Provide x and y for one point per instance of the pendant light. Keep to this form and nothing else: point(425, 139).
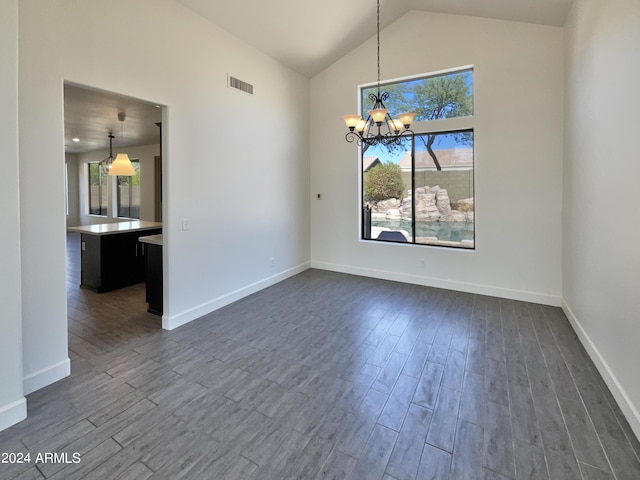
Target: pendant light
point(122, 166)
point(371, 131)
point(108, 162)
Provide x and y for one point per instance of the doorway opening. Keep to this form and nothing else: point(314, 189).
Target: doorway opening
point(102, 319)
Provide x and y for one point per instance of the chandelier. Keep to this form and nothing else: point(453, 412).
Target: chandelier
point(378, 127)
point(119, 165)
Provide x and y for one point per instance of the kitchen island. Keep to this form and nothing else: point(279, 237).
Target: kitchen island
point(111, 255)
point(153, 271)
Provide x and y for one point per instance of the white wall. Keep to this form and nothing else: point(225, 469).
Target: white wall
point(146, 155)
point(73, 186)
point(13, 407)
point(236, 166)
point(518, 156)
point(601, 262)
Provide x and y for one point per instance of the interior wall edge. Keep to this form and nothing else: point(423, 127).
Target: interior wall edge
point(12, 401)
point(629, 410)
point(182, 318)
point(489, 290)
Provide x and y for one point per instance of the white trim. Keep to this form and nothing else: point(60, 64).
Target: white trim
point(443, 125)
point(46, 376)
point(624, 402)
point(417, 76)
point(13, 413)
point(492, 291)
point(169, 323)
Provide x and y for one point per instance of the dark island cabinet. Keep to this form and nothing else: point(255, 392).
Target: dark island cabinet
point(113, 258)
point(153, 262)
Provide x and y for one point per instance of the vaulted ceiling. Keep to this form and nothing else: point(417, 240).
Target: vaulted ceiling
point(308, 36)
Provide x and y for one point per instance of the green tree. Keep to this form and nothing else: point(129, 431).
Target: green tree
point(433, 98)
point(383, 181)
point(133, 180)
point(443, 96)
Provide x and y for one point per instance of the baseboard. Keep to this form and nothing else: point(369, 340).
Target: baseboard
point(624, 402)
point(13, 413)
point(491, 291)
point(174, 321)
point(46, 376)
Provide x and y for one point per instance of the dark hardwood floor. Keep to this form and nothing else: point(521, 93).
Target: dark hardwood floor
point(325, 375)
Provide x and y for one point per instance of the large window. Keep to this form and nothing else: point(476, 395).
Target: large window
point(422, 191)
point(129, 193)
point(98, 192)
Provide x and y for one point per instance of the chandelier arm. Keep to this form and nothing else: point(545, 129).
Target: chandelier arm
point(352, 136)
point(366, 133)
point(405, 133)
point(388, 118)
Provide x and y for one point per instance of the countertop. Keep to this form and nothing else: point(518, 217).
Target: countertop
point(120, 227)
point(153, 239)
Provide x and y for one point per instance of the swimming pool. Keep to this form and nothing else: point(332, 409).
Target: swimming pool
point(443, 231)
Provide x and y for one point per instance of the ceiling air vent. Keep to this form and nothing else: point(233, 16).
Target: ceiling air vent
point(240, 85)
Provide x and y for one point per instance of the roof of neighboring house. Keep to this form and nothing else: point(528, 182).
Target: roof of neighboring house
point(448, 158)
point(369, 162)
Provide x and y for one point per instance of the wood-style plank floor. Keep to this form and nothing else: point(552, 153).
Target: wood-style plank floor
point(325, 376)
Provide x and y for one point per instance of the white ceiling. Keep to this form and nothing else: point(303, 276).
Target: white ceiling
point(90, 115)
point(308, 36)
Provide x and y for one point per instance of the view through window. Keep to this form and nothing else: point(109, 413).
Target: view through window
point(129, 193)
point(98, 192)
point(422, 191)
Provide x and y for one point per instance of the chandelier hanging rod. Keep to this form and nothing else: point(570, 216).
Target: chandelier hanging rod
point(360, 129)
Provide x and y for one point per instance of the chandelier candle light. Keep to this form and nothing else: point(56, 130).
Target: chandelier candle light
point(360, 129)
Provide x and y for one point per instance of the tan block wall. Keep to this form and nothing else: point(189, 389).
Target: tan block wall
point(458, 183)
